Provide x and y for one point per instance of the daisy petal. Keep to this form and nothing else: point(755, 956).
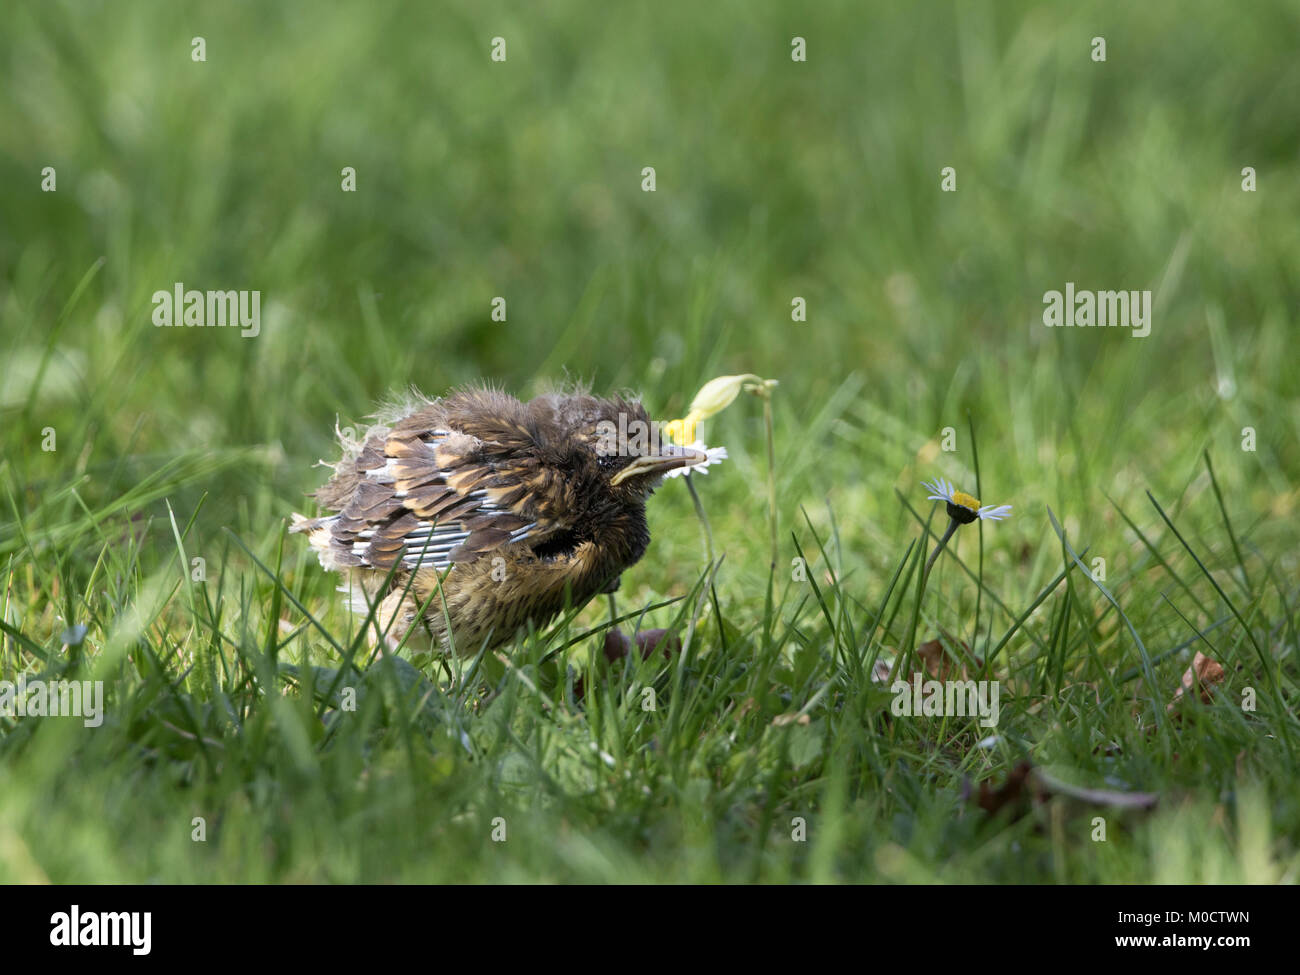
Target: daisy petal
point(715, 455)
point(941, 490)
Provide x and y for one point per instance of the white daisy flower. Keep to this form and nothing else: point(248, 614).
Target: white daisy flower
point(715, 455)
point(962, 507)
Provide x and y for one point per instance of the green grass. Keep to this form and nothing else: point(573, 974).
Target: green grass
point(774, 179)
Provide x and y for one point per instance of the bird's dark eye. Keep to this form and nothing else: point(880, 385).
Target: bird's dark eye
point(609, 462)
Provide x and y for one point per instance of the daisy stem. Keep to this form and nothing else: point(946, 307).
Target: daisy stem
point(699, 513)
point(771, 476)
point(952, 527)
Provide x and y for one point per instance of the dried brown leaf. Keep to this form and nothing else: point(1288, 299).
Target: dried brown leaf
point(781, 720)
point(1024, 784)
point(1205, 674)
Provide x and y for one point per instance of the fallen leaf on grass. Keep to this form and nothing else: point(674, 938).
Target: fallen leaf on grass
point(1204, 674)
point(1096, 797)
point(1012, 791)
point(781, 720)
point(618, 645)
point(938, 664)
point(1025, 785)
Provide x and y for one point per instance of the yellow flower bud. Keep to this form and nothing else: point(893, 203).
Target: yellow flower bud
point(717, 394)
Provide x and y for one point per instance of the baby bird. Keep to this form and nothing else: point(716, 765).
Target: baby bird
point(517, 509)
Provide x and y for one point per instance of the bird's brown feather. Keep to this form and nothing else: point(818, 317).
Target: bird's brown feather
point(462, 480)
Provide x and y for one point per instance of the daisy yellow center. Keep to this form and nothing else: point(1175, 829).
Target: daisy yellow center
point(965, 500)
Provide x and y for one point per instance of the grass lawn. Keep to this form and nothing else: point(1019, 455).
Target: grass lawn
point(147, 474)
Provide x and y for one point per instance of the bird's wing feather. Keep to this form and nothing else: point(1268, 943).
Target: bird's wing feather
point(445, 484)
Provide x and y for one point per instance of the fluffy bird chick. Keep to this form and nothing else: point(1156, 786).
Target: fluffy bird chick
point(521, 509)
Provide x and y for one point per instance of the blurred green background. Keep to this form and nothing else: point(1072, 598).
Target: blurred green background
point(775, 179)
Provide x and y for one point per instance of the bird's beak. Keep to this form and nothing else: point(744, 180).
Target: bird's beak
point(669, 458)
